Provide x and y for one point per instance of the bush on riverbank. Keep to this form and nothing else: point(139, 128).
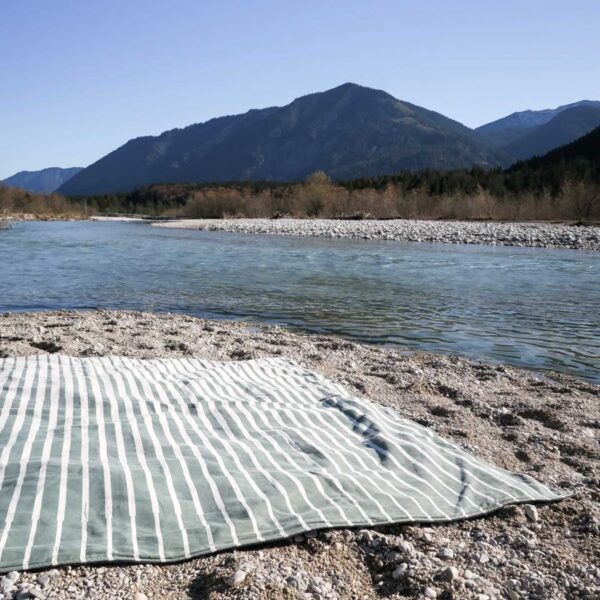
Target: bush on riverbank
point(17, 201)
point(320, 197)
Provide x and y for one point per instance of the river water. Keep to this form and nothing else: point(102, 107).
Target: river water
point(536, 308)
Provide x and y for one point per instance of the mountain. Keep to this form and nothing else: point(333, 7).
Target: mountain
point(578, 160)
point(348, 132)
point(41, 182)
point(510, 128)
point(562, 129)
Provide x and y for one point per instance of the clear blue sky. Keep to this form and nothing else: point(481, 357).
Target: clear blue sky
point(80, 77)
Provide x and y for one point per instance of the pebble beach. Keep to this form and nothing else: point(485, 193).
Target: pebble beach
point(545, 425)
point(536, 235)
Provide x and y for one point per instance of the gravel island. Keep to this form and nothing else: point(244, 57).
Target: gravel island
point(546, 425)
point(537, 235)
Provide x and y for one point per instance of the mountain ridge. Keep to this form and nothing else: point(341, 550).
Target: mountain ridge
point(347, 131)
point(565, 127)
point(41, 181)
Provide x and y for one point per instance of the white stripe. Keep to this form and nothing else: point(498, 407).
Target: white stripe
point(116, 421)
point(103, 451)
point(17, 423)
point(55, 381)
point(24, 461)
point(337, 483)
point(432, 448)
point(85, 477)
point(127, 370)
point(201, 387)
point(263, 434)
point(13, 372)
point(142, 459)
point(223, 422)
point(158, 384)
point(433, 438)
point(66, 450)
point(122, 397)
point(318, 398)
point(257, 443)
point(321, 441)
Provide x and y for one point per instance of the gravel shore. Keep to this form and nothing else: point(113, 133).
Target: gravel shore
point(538, 235)
point(544, 425)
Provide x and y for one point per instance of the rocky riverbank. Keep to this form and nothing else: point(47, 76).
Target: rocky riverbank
point(538, 235)
point(546, 426)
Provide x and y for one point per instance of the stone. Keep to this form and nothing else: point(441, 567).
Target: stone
point(7, 586)
point(238, 578)
point(43, 580)
point(430, 593)
point(399, 571)
point(406, 548)
point(445, 553)
point(36, 593)
point(531, 513)
point(13, 576)
point(449, 574)
point(140, 596)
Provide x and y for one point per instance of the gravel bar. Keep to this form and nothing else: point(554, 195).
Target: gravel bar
point(547, 426)
point(536, 235)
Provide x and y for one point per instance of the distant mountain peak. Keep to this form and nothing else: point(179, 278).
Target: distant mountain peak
point(43, 181)
point(531, 118)
point(533, 132)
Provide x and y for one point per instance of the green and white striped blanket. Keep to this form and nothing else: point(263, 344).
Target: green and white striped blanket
point(117, 459)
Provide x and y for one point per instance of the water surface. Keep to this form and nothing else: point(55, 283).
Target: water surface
point(531, 307)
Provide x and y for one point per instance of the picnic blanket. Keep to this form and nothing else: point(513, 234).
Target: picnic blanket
point(118, 459)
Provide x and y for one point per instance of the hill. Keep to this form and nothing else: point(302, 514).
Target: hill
point(578, 161)
point(348, 132)
point(41, 182)
point(508, 129)
point(562, 129)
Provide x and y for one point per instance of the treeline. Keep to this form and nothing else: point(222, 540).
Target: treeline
point(18, 201)
point(562, 185)
point(469, 195)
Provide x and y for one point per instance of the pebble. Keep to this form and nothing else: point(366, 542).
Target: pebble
point(399, 571)
point(531, 512)
point(238, 578)
point(446, 553)
point(430, 593)
point(140, 596)
point(406, 548)
point(43, 580)
point(449, 574)
point(13, 576)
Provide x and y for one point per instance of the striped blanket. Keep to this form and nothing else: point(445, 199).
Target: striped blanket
point(117, 459)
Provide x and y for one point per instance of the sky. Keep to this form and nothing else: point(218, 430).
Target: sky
point(78, 78)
